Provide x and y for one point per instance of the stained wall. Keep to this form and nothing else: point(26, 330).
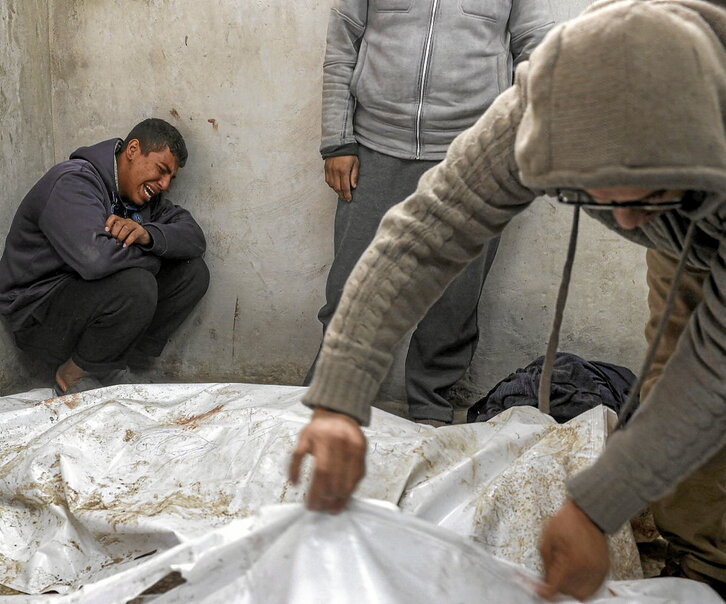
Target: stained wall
point(242, 82)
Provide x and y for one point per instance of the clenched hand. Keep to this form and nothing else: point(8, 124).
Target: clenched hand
point(341, 174)
point(338, 446)
point(127, 231)
point(575, 554)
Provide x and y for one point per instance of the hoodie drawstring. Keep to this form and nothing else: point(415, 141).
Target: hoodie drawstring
point(543, 395)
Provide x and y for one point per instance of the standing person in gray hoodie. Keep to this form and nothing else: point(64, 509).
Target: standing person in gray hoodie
point(402, 78)
point(621, 111)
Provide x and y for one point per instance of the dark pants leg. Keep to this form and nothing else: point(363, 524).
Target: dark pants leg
point(181, 285)
point(383, 181)
point(444, 342)
point(94, 323)
point(97, 323)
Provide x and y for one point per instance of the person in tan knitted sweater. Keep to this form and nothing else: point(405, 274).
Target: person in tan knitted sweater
point(621, 109)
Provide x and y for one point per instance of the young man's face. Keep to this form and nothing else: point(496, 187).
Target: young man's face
point(141, 176)
point(630, 218)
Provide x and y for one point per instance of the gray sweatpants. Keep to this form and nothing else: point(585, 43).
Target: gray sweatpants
point(444, 341)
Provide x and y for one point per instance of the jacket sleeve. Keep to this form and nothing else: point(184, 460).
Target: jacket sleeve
point(678, 427)
point(345, 30)
point(175, 233)
point(74, 219)
point(529, 21)
point(421, 245)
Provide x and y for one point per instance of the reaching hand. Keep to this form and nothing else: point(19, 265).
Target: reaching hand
point(341, 174)
point(338, 446)
point(575, 554)
point(127, 231)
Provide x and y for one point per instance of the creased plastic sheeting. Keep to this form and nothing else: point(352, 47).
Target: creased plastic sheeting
point(369, 553)
point(498, 485)
point(90, 482)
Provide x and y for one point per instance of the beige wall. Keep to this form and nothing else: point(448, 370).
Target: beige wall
point(241, 80)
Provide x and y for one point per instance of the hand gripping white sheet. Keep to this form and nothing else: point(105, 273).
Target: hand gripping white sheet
point(90, 482)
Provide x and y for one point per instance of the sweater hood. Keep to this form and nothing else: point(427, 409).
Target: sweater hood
point(102, 156)
point(631, 93)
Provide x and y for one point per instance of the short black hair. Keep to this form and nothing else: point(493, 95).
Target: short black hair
point(155, 135)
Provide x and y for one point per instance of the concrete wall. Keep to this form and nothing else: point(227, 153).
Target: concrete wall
point(26, 133)
point(242, 82)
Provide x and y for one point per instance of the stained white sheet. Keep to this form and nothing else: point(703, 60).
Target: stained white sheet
point(196, 473)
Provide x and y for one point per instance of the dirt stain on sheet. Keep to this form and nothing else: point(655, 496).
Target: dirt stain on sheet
point(11, 569)
point(285, 487)
point(163, 585)
point(71, 401)
point(178, 504)
point(195, 419)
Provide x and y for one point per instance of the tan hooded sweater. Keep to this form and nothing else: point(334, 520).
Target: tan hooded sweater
point(631, 93)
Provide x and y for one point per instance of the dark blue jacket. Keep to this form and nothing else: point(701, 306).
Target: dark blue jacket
point(59, 231)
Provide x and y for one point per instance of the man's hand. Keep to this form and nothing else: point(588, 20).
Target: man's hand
point(339, 447)
point(575, 554)
point(341, 174)
point(127, 231)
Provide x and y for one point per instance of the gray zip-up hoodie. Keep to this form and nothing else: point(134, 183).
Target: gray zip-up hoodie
point(405, 77)
point(632, 93)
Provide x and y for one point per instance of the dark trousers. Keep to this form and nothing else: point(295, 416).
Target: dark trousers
point(99, 323)
point(444, 342)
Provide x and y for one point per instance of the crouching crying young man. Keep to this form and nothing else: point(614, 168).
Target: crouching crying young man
point(100, 267)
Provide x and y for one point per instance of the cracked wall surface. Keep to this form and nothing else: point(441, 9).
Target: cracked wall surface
point(242, 83)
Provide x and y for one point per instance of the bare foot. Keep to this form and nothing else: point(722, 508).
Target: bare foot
point(68, 374)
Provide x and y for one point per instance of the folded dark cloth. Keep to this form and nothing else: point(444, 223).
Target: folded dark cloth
point(577, 385)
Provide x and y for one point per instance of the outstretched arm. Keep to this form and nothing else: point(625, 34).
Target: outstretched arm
point(420, 247)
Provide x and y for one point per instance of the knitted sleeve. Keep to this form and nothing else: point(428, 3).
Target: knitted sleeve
point(678, 428)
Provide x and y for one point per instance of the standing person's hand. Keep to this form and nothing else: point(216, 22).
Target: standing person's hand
point(341, 174)
point(127, 231)
point(338, 446)
point(575, 554)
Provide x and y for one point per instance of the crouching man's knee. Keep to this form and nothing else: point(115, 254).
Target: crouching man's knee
point(134, 297)
point(197, 277)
